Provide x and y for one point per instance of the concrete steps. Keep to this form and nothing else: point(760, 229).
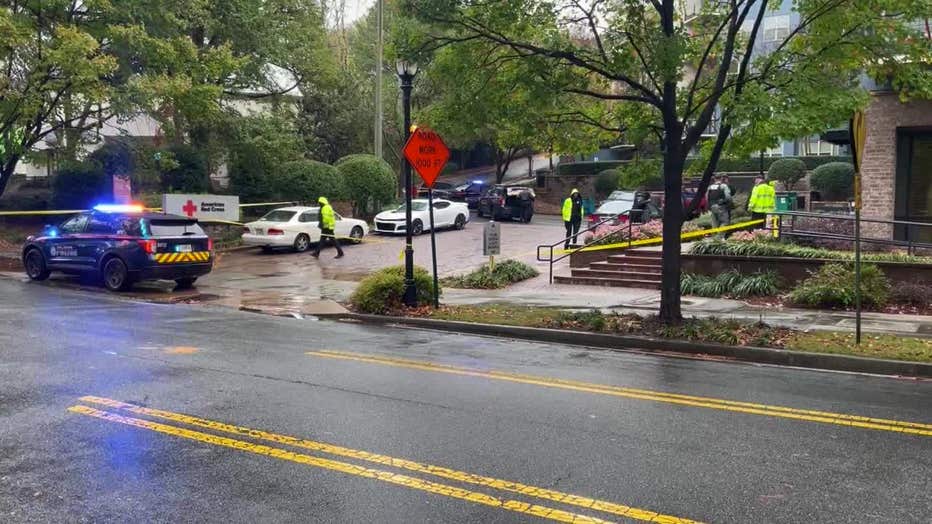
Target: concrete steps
point(634, 268)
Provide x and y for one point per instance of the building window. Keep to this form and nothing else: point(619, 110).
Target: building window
point(813, 146)
point(776, 28)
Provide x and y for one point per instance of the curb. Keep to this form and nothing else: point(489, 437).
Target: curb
point(779, 357)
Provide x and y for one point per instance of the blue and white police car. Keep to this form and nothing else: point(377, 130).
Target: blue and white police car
point(122, 244)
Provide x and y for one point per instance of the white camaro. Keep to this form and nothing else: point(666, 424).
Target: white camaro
point(296, 227)
point(446, 214)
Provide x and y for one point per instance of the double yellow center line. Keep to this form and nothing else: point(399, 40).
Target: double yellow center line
point(840, 419)
point(372, 473)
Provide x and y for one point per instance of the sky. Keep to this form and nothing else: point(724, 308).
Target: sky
point(356, 9)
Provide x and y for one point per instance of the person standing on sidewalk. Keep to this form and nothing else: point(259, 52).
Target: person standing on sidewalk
point(763, 201)
point(572, 216)
point(719, 201)
point(327, 224)
point(731, 189)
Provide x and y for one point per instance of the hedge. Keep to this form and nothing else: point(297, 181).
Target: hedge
point(725, 165)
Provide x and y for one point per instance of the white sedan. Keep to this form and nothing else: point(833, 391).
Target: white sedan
point(446, 214)
point(296, 227)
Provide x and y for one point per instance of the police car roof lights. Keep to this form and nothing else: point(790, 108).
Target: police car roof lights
point(119, 208)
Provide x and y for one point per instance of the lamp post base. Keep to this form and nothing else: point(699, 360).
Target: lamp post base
point(410, 294)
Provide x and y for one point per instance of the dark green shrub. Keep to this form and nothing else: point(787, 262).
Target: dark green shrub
point(188, 172)
point(769, 248)
point(787, 170)
point(369, 180)
point(505, 273)
point(80, 185)
point(383, 291)
point(641, 174)
point(833, 287)
point(835, 180)
point(730, 283)
point(308, 180)
point(606, 182)
point(587, 168)
point(753, 164)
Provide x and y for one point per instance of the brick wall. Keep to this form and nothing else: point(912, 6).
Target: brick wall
point(878, 168)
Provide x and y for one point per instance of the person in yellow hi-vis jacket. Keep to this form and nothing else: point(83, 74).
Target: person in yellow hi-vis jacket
point(327, 224)
point(572, 216)
point(763, 200)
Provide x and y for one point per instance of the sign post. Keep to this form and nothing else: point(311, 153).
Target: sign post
point(427, 154)
point(858, 130)
point(491, 242)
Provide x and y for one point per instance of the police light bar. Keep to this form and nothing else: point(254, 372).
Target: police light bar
point(119, 208)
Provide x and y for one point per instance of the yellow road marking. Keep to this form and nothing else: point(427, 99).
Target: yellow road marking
point(438, 471)
point(897, 426)
point(343, 467)
point(181, 350)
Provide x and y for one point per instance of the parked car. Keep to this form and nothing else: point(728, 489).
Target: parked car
point(441, 190)
point(297, 228)
point(507, 202)
point(446, 214)
point(637, 206)
point(469, 193)
point(122, 244)
point(688, 196)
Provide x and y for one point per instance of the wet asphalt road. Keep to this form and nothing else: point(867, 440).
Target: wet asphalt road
point(107, 462)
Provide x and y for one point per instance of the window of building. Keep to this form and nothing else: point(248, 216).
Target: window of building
point(814, 146)
point(776, 28)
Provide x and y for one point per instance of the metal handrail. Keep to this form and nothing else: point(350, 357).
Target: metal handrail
point(792, 231)
point(567, 253)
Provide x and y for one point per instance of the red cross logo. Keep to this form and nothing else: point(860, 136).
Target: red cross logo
point(189, 208)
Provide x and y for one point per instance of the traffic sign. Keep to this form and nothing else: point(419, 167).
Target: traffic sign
point(427, 154)
point(491, 239)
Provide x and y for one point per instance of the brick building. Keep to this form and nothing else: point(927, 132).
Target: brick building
point(897, 165)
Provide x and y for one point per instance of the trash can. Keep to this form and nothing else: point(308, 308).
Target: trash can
point(786, 201)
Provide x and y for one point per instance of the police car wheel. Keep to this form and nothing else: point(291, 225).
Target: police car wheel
point(115, 275)
point(35, 266)
point(302, 243)
point(356, 234)
point(185, 283)
point(460, 222)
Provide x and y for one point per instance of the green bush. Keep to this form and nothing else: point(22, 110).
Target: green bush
point(587, 168)
point(505, 273)
point(911, 293)
point(833, 287)
point(188, 172)
point(308, 180)
point(370, 182)
point(730, 283)
point(753, 165)
point(787, 170)
point(606, 182)
point(835, 180)
point(641, 174)
point(80, 185)
point(383, 291)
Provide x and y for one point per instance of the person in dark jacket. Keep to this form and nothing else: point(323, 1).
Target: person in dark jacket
point(327, 225)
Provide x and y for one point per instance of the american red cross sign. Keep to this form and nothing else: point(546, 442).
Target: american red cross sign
point(427, 154)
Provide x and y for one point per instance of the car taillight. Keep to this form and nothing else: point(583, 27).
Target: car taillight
point(276, 232)
point(210, 244)
point(501, 202)
point(148, 246)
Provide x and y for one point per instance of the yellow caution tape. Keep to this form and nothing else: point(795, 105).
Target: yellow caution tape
point(659, 240)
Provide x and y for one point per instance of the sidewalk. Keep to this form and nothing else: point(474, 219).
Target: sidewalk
point(537, 292)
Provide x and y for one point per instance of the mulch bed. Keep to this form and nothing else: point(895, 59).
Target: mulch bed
point(892, 309)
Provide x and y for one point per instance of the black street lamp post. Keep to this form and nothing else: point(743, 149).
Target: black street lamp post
point(406, 71)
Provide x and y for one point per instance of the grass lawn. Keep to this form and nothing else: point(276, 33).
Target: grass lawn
point(710, 330)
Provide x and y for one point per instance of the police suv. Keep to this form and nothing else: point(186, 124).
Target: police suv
point(122, 244)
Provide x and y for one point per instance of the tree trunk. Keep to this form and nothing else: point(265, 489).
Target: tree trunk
point(6, 171)
point(670, 312)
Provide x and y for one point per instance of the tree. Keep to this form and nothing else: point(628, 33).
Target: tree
point(787, 170)
point(261, 145)
point(686, 78)
point(308, 180)
point(55, 76)
point(370, 182)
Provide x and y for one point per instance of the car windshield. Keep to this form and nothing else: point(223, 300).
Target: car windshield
point(279, 215)
point(174, 228)
point(614, 207)
point(417, 205)
point(621, 195)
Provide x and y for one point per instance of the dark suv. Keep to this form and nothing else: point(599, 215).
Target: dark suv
point(507, 202)
point(122, 245)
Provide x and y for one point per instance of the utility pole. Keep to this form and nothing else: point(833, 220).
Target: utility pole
point(378, 86)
